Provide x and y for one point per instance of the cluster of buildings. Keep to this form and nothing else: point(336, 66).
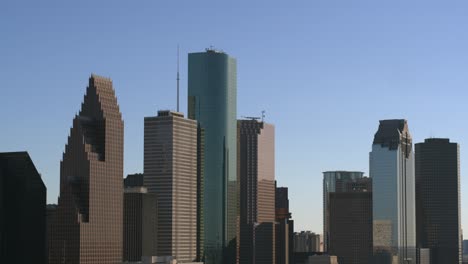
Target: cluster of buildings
point(407, 211)
point(207, 193)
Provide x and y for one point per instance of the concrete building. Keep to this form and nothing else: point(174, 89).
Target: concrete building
point(306, 241)
point(256, 157)
point(89, 218)
point(334, 181)
point(22, 210)
point(438, 211)
point(284, 228)
point(212, 101)
point(170, 172)
point(392, 173)
point(350, 223)
point(140, 220)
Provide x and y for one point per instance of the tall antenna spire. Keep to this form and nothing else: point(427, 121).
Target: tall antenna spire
point(178, 78)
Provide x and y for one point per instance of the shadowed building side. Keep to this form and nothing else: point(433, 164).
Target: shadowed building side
point(89, 216)
point(22, 210)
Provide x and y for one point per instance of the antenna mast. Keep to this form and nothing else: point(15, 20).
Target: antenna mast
point(178, 78)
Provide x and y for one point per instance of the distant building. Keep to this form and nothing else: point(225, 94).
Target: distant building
point(256, 157)
point(170, 172)
point(22, 210)
point(392, 172)
point(284, 228)
point(423, 256)
point(465, 247)
point(306, 241)
point(51, 209)
point(212, 101)
point(335, 181)
point(438, 212)
point(89, 218)
point(140, 220)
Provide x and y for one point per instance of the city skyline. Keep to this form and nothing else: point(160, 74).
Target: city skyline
point(151, 86)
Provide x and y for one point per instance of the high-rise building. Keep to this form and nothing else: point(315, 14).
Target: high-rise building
point(392, 173)
point(306, 241)
point(22, 210)
point(284, 228)
point(438, 219)
point(170, 171)
point(465, 247)
point(334, 181)
point(89, 218)
point(256, 157)
point(212, 101)
point(140, 222)
point(350, 226)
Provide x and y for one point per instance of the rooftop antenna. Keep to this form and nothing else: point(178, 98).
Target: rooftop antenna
point(178, 78)
point(263, 114)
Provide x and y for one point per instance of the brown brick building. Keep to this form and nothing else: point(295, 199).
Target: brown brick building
point(88, 222)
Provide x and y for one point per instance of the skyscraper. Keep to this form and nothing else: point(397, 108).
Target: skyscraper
point(284, 228)
point(170, 171)
point(334, 181)
point(438, 199)
point(257, 192)
point(392, 173)
point(89, 216)
point(140, 220)
point(350, 226)
point(22, 210)
point(212, 101)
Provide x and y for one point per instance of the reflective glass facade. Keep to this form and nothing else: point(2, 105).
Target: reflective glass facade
point(392, 173)
point(212, 101)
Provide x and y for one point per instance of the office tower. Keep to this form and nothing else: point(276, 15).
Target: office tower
point(170, 171)
point(350, 226)
point(51, 209)
point(306, 241)
point(392, 173)
point(139, 225)
point(212, 96)
point(465, 247)
point(284, 228)
point(22, 210)
point(256, 157)
point(334, 181)
point(438, 221)
point(89, 216)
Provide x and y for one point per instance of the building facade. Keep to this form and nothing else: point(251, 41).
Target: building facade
point(89, 217)
point(22, 210)
point(306, 241)
point(140, 220)
point(284, 228)
point(334, 181)
point(212, 101)
point(438, 208)
point(350, 226)
point(392, 173)
point(170, 172)
point(256, 157)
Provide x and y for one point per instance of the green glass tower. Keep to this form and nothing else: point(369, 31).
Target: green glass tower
point(212, 101)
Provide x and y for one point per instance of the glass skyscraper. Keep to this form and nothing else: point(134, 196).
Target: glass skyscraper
point(212, 101)
point(392, 173)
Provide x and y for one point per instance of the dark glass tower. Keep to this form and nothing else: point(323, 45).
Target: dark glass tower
point(284, 228)
point(22, 210)
point(212, 98)
point(438, 199)
point(89, 217)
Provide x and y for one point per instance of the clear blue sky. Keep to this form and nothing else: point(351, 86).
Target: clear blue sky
point(325, 71)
